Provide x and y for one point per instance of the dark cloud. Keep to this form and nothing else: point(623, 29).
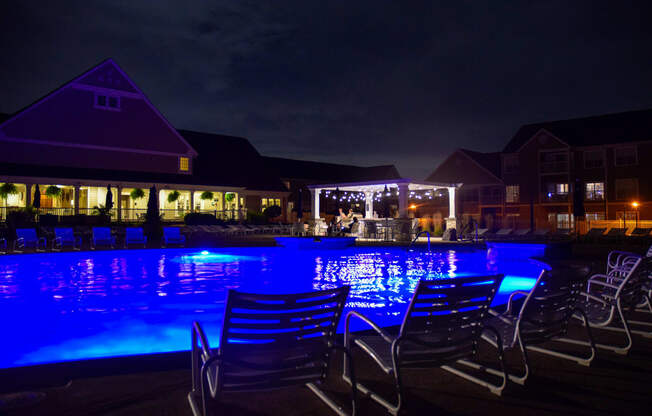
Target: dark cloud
point(357, 82)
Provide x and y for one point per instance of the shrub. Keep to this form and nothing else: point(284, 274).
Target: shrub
point(272, 211)
point(196, 218)
point(48, 220)
point(22, 217)
point(256, 218)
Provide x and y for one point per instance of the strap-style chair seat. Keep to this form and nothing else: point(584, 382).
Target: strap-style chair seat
point(544, 316)
point(172, 235)
point(135, 235)
point(609, 296)
point(102, 237)
point(65, 237)
point(442, 327)
point(27, 238)
point(269, 342)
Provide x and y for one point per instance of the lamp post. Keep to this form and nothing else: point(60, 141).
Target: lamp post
point(635, 205)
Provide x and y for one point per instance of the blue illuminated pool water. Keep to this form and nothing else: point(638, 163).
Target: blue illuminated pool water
point(77, 305)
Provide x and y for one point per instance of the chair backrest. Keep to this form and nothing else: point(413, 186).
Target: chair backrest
point(269, 341)
point(27, 234)
point(172, 233)
point(482, 231)
point(549, 306)
point(522, 231)
point(504, 231)
point(451, 308)
point(134, 234)
point(641, 232)
point(102, 233)
point(631, 288)
point(621, 263)
point(64, 234)
point(541, 232)
point(649, 252)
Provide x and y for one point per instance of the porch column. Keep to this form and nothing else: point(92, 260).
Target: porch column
point(403, 194)
point(28, 194)
point(192, 201)
point(451, 202)
point(314, 203)
point(76, 199)
point(368, 204)
point(118, 202)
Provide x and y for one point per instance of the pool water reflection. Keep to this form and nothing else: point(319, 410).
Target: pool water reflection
point(77, 305)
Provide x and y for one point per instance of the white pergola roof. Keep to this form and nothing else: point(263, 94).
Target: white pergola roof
point(379, 185)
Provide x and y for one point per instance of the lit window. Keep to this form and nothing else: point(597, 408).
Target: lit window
point(184, 164)
point(593, 159)
point(512, 193)
point(595, 191)
point(625, 156)
point(595, 216)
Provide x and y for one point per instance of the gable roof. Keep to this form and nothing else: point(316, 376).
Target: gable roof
point(231, 161)
point(630, 126)
point(66, 117)
point(322, 172)
point(469, 168)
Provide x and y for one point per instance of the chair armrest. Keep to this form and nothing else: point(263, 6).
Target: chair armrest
point(198, 335)
point(600, 283)
point(595, 298)
point(369, 322)
point(511, 299)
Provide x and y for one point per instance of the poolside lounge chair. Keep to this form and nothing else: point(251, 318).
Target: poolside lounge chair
point(102, 237)
point(268, 342)
point(608, 296)
point(442, 326)
point(134, 235)
point(503, 233)
point(3, 244)
point(521, 233)
point(594, 234)
point(26, 237)
point(640, 234)
point(615, 234)
point(541, 234)
point(172, 235)
point(65, 237)
point(543, 316)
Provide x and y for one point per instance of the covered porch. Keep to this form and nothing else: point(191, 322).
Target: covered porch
point(390, 207)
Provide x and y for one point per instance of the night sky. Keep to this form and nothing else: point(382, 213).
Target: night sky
point(362, 82)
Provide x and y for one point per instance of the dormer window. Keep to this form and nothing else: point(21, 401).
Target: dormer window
point(107, 102)
point(184, 164)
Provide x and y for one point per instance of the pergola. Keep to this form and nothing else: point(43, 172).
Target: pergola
point(369, 188)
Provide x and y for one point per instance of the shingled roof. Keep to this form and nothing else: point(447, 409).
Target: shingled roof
point(320, 172)
point(231, 161)
point(630, 126)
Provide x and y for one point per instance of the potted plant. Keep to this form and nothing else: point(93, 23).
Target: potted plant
point(137, 194)
point(206, 195)
point(7, 189)
point(173, 196)
point(53, 191)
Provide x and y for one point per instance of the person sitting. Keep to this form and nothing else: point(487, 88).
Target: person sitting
point(354, 227)
point(334, 227)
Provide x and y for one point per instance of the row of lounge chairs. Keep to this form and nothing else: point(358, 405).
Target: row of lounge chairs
point(593, 234)
point(272, 341)
point(66, 238)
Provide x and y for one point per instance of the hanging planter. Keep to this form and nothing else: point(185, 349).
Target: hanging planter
point(173, 196)
point(137, 193)
point(230, 196)
point(7, 189)
point(53, 191)
point(206, 195)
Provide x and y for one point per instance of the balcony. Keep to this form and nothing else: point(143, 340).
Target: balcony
point(559, 166)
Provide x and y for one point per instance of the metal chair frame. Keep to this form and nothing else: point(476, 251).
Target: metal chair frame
point(444, 321)
point(269, 342)
point(615, 292)
point(141, 238)
point(543, 316)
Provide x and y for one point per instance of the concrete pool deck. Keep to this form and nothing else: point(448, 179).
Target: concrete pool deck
point(613, 385)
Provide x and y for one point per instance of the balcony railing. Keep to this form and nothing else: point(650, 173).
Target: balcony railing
point(549, 197)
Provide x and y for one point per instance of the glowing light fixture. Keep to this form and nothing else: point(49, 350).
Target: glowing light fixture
point(635, 204)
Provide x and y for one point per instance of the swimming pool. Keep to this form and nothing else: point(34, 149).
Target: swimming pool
point(78, 305)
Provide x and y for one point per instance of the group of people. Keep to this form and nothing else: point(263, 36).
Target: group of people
point(343, 224)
